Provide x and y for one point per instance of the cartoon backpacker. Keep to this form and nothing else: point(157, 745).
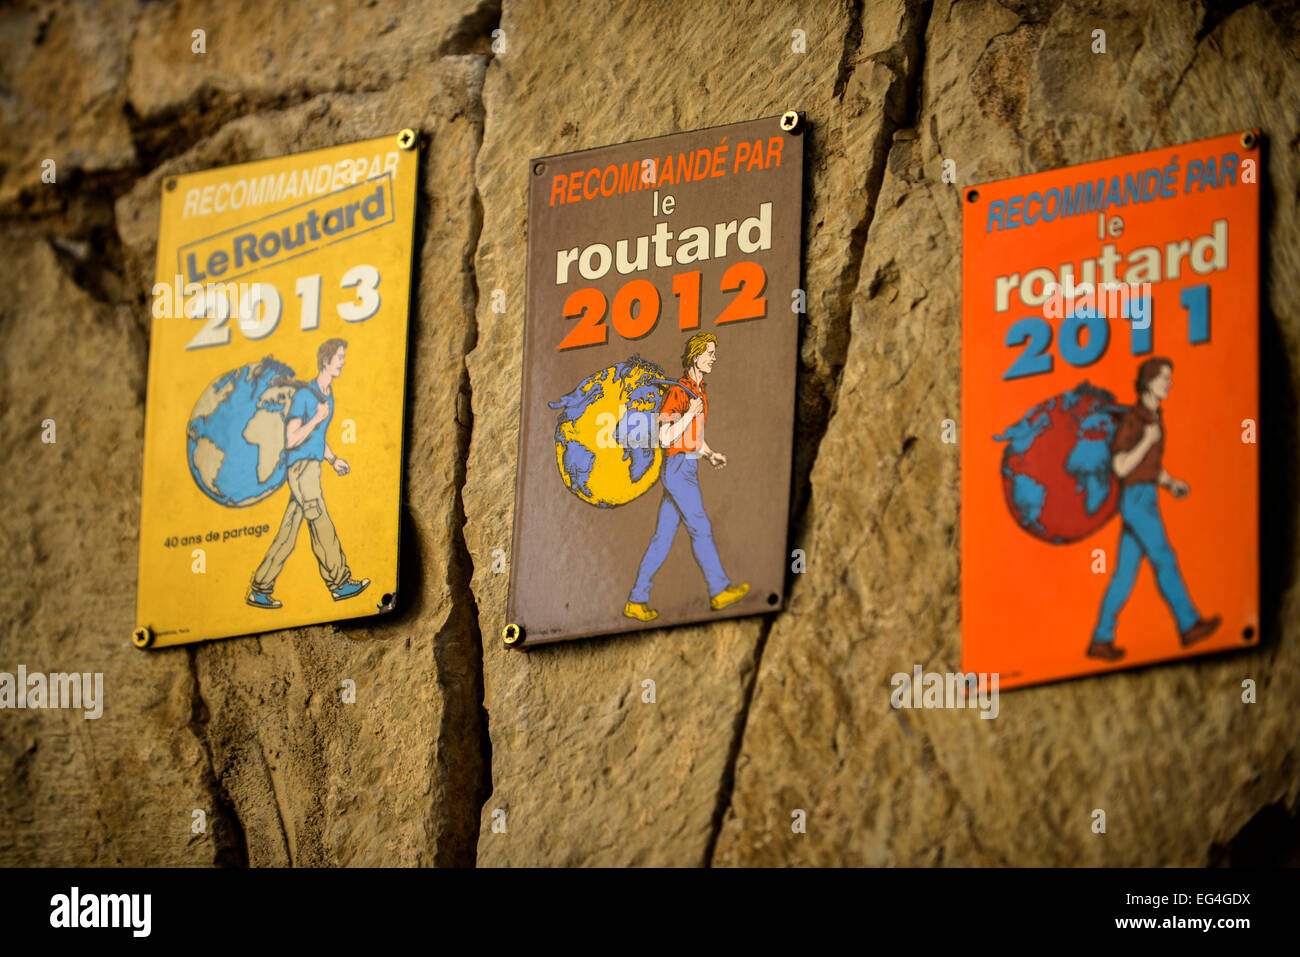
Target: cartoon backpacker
point(259, 427)
point(625, 428)
point(1076, 459)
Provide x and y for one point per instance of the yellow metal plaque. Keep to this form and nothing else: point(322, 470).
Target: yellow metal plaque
point(277, 369)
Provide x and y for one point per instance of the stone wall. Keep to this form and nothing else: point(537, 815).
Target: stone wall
point(755, 717)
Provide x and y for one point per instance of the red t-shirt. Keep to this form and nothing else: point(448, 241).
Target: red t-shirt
point(676, 404)
point(1129, 434)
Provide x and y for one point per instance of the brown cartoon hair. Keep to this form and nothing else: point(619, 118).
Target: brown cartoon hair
point(1149, 369)
point(326, 351)
point(695, 347)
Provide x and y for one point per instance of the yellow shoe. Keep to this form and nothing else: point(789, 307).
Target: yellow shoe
point(728, 596)
point(635, 609)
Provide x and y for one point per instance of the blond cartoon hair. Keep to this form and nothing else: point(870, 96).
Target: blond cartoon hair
point(695, 347)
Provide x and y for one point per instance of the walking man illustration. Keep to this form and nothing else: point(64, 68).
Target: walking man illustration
point(310, 413)
point(681, 434)
point(1137, 454)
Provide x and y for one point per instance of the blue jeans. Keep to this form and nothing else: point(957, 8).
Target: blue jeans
point(681, 504)
point(1143, 534)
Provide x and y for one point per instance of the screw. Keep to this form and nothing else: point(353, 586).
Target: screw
point(142, 637)
point(170, 184)
point(512, 635)
point(1249, 139)
point(539, 169)
point(972, 196)
point(791, 121)
point(407, 139)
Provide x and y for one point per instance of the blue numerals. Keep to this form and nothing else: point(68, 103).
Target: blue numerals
point(1085, 332)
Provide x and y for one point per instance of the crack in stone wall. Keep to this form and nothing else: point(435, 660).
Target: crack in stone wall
point(904, 59)
point(228, 830)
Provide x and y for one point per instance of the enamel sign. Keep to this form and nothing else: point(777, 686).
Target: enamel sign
point(277, 368)
point(1110, 409)
point(657, 416)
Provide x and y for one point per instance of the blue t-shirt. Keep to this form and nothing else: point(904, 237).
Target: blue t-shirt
point(305, 402)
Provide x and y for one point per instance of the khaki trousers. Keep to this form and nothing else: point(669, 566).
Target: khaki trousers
point(306, 500)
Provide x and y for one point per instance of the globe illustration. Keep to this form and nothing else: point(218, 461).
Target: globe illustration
point(236, 433)
point(606, 436)
point(1056, 467)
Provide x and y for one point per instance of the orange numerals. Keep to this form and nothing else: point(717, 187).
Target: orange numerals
point(637, 305)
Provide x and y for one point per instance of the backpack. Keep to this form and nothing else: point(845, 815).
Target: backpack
point(608, 474)
point(1056, 466)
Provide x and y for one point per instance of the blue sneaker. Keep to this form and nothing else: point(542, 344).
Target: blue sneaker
point(349, 589)
point(258, 600)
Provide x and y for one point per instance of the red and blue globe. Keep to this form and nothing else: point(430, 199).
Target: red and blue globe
point(1056, 467)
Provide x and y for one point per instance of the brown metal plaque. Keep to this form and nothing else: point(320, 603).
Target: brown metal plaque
point(658, 390)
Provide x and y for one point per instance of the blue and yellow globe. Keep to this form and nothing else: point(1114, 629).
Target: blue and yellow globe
point(236, 433)
point(606, 436)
